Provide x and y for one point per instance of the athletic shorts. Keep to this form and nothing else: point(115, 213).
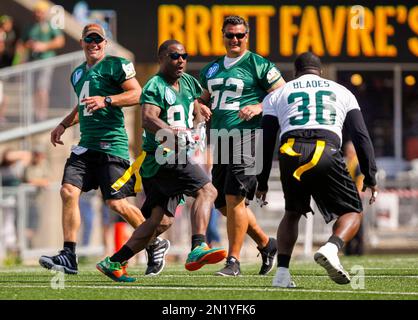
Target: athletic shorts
point(167, 187)
point(93, 169)
point(236, 176)
point(328, 182)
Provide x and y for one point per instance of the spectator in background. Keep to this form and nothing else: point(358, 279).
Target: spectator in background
point(356, 245)
point(12, 168)
point(36, 174)
point(5, 59)
point(3, 63)
point(11, 36)
point(41, 41)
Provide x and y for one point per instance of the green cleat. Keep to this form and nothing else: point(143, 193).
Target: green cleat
point(114, 270)
point(202, 255)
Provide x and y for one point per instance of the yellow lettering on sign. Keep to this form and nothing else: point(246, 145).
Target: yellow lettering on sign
point(310, 38)
point(288, 29)
point(198, 26)
point(263, 14)
point(358, 36)
point(170, 23)
point(413, 24)
point(333, 28)
point(383, 30)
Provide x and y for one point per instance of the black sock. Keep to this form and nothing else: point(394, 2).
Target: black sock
point(70, 245)
point(124, 254)
point(283, 260)
point(197, 240)
point(337, 241)
point(270, 246)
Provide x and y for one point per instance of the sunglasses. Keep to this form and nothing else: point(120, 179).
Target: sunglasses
point(230, 35)
point(176, 55)
point(91, 39)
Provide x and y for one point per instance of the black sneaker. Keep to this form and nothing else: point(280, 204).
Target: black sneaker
point(65, 261)
point(231, 269)
point(267, 254)
point(156, 256)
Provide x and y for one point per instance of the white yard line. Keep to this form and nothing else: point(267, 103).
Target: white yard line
point(167, 288)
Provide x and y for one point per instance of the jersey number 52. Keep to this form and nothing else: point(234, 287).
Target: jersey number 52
point(235, 87)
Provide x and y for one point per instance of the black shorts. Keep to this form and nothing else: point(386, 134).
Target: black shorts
point(167, 187)
point(93, 169)
point(328, 182)
point(235, 175)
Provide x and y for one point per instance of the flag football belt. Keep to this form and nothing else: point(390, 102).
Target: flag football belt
point(287, 148)
point(132, 170)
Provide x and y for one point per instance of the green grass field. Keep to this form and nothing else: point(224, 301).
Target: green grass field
point(385, 277)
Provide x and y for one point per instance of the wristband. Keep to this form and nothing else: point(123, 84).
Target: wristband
point(65, 127)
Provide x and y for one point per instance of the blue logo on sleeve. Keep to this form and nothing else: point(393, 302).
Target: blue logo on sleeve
point(212, 70)
point(77, 76)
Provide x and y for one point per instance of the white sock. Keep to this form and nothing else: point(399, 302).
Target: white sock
point(332, 247)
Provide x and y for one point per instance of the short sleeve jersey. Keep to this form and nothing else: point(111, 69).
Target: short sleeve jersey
point(176, 110)
point(244, 83)
point(104, 129)
point(310, 102)
point(43, 32)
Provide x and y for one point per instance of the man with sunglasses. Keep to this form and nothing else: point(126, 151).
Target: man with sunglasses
point(104, 85)
point(234, 86)
point(170, 109)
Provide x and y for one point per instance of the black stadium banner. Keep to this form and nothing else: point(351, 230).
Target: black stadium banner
point(337, 31)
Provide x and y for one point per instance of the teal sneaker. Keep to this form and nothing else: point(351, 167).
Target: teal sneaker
point(114, 270)
point(202, 255)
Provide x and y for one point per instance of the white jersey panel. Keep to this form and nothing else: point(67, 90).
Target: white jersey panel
point(310, 102)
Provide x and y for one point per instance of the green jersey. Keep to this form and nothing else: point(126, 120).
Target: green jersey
point(244, 83)
point(104, 129)
point(176, 110)
point(42, 32)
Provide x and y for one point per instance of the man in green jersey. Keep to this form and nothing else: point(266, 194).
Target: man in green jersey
point(169, 110)
point(104, 85)
point(234, 86)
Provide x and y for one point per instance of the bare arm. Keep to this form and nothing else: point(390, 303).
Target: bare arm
point(130, 97)
point(198, 116)
point(203, 105)
point(39, 46)
point(70, 120)
point(150, 119)
point(248, 112)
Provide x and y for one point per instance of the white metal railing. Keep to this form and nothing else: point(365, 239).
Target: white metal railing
point(20, 85)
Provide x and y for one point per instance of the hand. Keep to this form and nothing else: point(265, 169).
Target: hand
point(94, 103)
point(38, 46)
point(205, 112)
point(373, 189)
point(261, 197)
point(248, 112)
point(56, 135)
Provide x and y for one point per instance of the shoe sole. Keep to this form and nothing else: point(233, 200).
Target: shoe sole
point(112, 276)
point(290, 285)
point(219, 273)
point(266, 272)
point(210, 258)
point(337, 275)
point(47, 263)
point(152, 274)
